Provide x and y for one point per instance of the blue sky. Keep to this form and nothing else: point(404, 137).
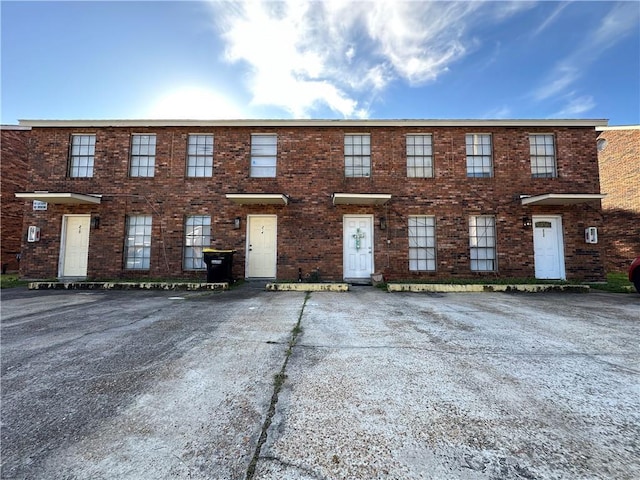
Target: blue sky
point(330, 59)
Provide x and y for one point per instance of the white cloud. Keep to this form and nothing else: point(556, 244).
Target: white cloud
point(562, 77)
point(551, 18)
point(303, 56)
point(576, 106)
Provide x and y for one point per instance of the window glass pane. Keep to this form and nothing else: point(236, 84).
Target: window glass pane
point(419, 158)
point(482, 243)
point(138, 242)
point(422, 243)
point(357, 156)
point(264, 150)
point(143, 151)
point(82, 155)
point(200, 156)
point(479, 156)
point(197, 236)
point(542, 154)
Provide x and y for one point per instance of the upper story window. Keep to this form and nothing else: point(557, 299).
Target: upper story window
point(482, 243)
point(200, 156)
point(143, 155)
point(479, 157)
point(264, 155)
point(83, 148)
point(419, 156)
point(543, 155)
point(357, 155)
point(422, 243)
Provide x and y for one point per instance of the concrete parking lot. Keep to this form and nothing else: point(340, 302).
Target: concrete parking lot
point(248, 384)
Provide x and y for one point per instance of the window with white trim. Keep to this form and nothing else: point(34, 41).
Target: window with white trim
point(264, 155)
point(200, 156)
point(543, 155)
point(143, 156)
point(197, 234)
point(357, 155)
point(422, 243)
point(83, 149)
point(482, 243)
point(419, 156)
point(137, 251)
point(479, 156)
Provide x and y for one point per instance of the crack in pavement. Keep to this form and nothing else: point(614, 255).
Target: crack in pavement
point(279, 380)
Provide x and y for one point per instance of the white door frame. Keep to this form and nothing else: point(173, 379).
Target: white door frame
point(559, 241)
point(345, 240)
point(248, 242)
point(63, 241)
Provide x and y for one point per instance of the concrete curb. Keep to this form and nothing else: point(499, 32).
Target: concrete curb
point(126, 286)
point(307, 287)
point(447, 288)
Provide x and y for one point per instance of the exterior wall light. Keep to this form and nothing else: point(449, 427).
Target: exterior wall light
point(526, 222)
point(95, 222)
point(236, 223)
point(383, 223)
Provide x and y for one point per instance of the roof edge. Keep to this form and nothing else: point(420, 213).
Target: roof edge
point(618, 127)
point(14, 127)
point(319, 123)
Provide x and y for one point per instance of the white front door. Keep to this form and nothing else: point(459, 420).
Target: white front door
point(548, 247)
point(358, 247)
point(74, 248)
point(261, 246)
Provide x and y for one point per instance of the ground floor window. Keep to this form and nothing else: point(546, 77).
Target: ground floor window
point(422, 243)
point(482, 243)
point(197, 234)
point(137, 250)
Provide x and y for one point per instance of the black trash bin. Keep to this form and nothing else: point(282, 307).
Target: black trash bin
point(219, 264)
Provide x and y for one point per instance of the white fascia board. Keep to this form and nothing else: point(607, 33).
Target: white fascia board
point(618, 127)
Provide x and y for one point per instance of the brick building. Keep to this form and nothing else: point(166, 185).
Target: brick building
point(13, 172)
point(619, 162)
point(337, 199)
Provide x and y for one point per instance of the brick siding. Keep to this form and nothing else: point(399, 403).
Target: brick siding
point(14, 173)
point(619, 163)
point(310, 168)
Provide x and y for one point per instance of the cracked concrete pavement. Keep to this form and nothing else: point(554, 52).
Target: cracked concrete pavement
point(148, 385)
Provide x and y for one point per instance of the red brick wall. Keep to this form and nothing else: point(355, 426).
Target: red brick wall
point(14, 178)
point(310, 169)
point(619, 163)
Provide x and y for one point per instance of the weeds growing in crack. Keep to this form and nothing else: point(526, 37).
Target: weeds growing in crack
point(278, 380)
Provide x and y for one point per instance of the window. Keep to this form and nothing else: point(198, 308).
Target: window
point(200, 156)
point(264, 153)
point(482, 243)
point(143, 155)
point(357, 156)
point(422, 243)
point(479, 163)
point(138, 243)
point(83, 149)
point(197, 234)
point(543, 156)
point(419, 156)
